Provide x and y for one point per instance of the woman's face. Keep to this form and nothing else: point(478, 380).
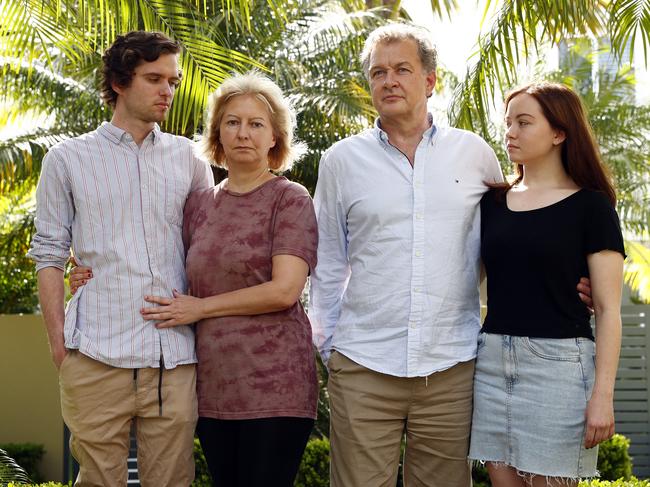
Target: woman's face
point(245, 131)
point(529, 135)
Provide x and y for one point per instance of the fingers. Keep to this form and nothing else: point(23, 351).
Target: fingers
point(596, 435)
point(158, 300)
point(156, 314)
point(167, 324)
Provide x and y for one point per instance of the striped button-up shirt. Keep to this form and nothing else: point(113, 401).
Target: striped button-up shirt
point(119, 206)
point(396, 285)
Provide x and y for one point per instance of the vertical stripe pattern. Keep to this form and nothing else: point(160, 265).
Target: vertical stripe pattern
point(119, 207)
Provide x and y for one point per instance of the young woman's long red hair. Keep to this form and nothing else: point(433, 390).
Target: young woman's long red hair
point(581, 159)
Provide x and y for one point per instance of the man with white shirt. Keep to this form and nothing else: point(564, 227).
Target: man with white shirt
point(116, 196)
point(394, 299)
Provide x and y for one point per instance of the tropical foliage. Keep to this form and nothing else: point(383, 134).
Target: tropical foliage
point(50, 52)
point(10, 471)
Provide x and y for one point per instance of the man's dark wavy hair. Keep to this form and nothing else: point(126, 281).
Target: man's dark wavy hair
point(126, 53)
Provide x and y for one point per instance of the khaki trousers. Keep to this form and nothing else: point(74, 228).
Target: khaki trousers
point(370, 412)
point(98, 403)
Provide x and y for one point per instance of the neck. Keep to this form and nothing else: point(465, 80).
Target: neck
point(546, 174)
point(244, 179)
point(403, 129)
point(138, 129)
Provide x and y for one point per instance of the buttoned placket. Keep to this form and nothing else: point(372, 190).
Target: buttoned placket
point(149, 229)
point(418, 294)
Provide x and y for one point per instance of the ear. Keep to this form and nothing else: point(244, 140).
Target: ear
point(117, 88)
point(559, 137)
point(274, 141)
point(431, 82)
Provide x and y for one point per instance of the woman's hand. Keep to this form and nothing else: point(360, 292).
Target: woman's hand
point(179, 310)
point(600, 420)
point(79, 275)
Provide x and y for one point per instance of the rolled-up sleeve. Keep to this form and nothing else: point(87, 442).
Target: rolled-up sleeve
point(54, 214)
point(329, 281)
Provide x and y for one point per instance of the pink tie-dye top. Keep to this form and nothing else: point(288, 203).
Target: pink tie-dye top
point(251, 366)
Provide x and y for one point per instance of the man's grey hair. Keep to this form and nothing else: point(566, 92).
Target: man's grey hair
point(401, 32)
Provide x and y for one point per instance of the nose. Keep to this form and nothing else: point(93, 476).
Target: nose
point(390, 79)
point(166, 89)
point(510, 132)
point(242, 131)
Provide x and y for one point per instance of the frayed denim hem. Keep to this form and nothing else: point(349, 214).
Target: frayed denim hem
point(551, 481)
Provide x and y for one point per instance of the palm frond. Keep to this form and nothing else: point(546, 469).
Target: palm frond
point(10, 471)
point(628, 19)
point(518, 30)
point(637, 270)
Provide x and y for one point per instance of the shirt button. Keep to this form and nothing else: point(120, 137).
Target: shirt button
point(418, 216)
point(417, 289)
point(418, 254)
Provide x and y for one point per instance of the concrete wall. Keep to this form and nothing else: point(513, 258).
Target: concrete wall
point(29, 390)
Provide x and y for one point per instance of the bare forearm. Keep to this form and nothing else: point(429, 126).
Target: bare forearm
point(263, 298)
point(608, 345)
point(51, 296)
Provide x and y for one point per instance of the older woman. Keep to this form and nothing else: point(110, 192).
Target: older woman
point(250, 244)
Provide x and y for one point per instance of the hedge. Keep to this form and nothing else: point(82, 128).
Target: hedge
point(28, 456)
point(633, 482)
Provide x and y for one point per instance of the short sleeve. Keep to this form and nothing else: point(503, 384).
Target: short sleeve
point(189, 212)
point(603, 228)
point(294, 227)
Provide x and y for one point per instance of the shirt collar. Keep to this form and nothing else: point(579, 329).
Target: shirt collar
point(118, 135)
point(428, 133)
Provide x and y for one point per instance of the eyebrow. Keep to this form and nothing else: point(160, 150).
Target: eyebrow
point(178, 77)
point(398, 65)
point(237, 116)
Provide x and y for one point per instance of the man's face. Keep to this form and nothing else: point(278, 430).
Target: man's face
point(150, 94)
point(398, 83)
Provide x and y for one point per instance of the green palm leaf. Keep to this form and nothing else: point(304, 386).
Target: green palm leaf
point(629, 18)
point(519, 28)
point(10, 471)
point(637, 269)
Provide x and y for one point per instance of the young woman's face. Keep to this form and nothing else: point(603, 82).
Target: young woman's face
point(529, 135)
point(245, 131)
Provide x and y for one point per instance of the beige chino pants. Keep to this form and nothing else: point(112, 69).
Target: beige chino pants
point(98, 403)
point(370, 412)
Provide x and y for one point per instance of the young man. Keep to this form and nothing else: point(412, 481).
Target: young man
point(116, 196)
point(395, 303)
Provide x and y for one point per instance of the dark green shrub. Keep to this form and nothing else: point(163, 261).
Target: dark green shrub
point(480, 477)
point(28, 456)
point(201, 473)
point(314, 469)
point(614, 460)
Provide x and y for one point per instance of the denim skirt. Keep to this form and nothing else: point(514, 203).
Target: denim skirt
point(530, 397)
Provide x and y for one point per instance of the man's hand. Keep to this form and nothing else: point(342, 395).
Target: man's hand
point(59, 353)
point(584, 292)
point(179, 310)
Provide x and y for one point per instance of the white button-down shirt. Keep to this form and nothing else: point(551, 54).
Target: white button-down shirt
point(120, 207)
point(396, 285)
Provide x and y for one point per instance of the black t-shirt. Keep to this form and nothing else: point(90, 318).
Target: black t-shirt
point(534, 260)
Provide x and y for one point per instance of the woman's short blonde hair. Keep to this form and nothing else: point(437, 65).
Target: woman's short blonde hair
point(283, 120)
